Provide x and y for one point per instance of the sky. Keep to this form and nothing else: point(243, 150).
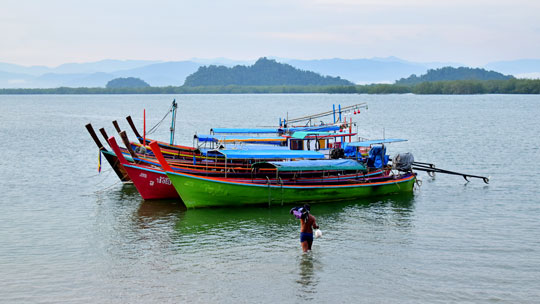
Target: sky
point(472, 32)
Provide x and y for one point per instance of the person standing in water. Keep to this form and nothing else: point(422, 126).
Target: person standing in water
point(307, 224)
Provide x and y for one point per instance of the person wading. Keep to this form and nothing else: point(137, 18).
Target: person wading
point(307, 224)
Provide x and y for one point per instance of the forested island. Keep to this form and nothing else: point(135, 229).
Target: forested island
point(129, 82)
point(265, 72)
point(453, 74)
point(441, 81)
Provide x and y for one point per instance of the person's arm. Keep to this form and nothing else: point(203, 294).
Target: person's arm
point(315, 223)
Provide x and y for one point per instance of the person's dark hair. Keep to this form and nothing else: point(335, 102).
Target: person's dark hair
point(307, 207)
point(305, 212)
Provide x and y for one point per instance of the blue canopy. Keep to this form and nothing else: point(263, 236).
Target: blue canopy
point(270, 130)
point(316, 128)
point(225, 138)
point(314, 165)
point(374, 142)
point(304, 134)
point(263, 154)
point(242, 130)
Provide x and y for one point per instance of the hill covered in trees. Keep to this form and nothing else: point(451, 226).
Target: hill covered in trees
point(129, 82)
point(265, 72)
point(453, 74)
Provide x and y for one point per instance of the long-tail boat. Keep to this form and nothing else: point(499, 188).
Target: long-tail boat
point(152, 182)
point(110, 157)
point(201, 191)
point(190, 153)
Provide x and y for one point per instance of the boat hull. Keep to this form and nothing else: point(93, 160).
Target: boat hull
point(197, 191)
point(151, 184)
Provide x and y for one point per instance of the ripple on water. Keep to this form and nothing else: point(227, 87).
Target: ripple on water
point(71, 235)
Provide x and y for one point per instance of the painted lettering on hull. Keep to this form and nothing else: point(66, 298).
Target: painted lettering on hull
point(163, 180)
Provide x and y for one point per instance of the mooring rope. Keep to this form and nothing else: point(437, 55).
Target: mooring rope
point(107, 188)
point(105, 177)
point(102, 171)
point(154, 128)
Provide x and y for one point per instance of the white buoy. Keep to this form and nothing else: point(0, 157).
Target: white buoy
point(318, 233)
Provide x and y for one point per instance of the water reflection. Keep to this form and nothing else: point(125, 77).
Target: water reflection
point(396, 210)
point(154, 211)
point(399, 208)
point(157, 209)
point(128, 191)
point(308, 279)
point(168, 221)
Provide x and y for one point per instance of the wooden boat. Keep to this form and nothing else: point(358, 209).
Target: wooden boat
point(110, 157)
point(186, 154)
point(200, 191)
point(152, 182)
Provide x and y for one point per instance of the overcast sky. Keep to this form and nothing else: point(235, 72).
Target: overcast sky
point(472, 32)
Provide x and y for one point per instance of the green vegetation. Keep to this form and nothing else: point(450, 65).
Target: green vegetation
point(451, 74)
point(264, 72)
point(511, 86)
point(129, 82)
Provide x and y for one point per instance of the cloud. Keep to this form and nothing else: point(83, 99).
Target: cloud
point(16, 81)
point(56, 31)
point(535, 75)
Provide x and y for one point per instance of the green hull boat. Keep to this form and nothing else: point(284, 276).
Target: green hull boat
point(199, 191)
point(203, 191)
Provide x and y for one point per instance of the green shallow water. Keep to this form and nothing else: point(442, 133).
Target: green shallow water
point(68, 234)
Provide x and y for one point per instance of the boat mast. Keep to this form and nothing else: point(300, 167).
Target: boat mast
point(174, 106)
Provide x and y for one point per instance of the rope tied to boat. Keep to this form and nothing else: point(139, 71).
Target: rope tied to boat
point(154, 128)
point(417, 183)
point(108, 187)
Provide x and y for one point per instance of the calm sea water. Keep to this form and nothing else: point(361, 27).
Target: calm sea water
point(69, 234)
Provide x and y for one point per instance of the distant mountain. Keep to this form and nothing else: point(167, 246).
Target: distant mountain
point(162, 74)
point(222, 61)
point(130, 82)
point(174, 73)
point(103, 66)
point(91, 74)
point(52, 80)
point(265, 72)
point(450, 73)
point(364, 71)
point(19, 69)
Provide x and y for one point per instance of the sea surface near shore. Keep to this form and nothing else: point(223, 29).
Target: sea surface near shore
point(71, 235)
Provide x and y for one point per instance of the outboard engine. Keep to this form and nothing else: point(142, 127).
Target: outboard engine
point(403, 161)
point(140, 150)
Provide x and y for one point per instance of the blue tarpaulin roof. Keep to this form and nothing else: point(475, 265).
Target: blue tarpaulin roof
point(242, 130)
point(314, 165)
point(264, 154)
point(316, 128)
point(374, 142)
point(304, 134)
point(225, 138)
point(271, 130)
